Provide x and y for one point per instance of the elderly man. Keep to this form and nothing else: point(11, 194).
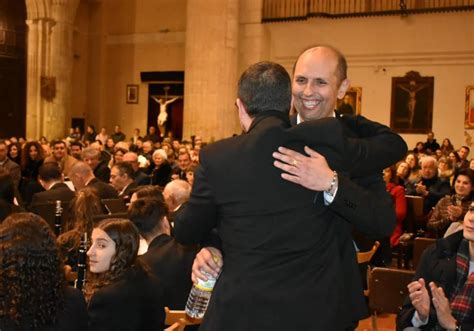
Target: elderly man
point(430, 187)
point(139, 176)
point(121, 178)
point(91, 156)
point(61, 157)
point(82, 175)
point(175, 194)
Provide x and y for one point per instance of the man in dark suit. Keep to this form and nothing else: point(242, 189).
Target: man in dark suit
point(121, 178)
point(360, 200)
point(170, 261)
point(52, 180)
point(81, 176)
point(139, 176)
point(282, 255)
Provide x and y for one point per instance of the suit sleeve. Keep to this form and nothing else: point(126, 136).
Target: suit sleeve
point(366, 204)
point(195, 220)
point(379, 147)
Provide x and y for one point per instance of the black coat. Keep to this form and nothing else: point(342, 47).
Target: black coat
point(72, 315)
point(437, 264)
point(58, 191)
point(102, 172)
point(133, 303)
point(282, 253)
point(104, 190)
point(171, 262)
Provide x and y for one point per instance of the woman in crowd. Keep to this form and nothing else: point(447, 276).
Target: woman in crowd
point(122, 295)
point(412, 160)
point(117, 157)
point(397, 192)
point(441, 294)
point(445, 169)
point(14, 152)
point(455, 159)
point(84, 207)
point(32, 286)
point(450, 210)
point(32, 158)
point(403, 172)
point(446, 147)
point(109, 146)
point(160, 169)
point(419, 148)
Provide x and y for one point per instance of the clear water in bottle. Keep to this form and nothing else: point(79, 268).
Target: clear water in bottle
point(199, 297)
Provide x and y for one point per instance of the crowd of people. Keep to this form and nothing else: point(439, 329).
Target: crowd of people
point(281, 232)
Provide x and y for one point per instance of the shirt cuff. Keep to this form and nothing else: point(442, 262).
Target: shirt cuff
point(416, 321)
point(328, 198)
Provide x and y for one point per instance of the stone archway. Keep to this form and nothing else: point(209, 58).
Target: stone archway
point(49, 66)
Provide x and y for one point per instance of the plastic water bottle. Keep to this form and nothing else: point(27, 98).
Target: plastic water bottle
point(199, 297)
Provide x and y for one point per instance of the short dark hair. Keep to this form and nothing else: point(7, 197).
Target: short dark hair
point(265, 86)
point(464, 172)
point(125, 168)
point(49, 171)
point(76, 143)
point(58, 141)
point(468, 149)
point(146, 213)
point(341, 69)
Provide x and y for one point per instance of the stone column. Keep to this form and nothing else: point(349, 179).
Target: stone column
point(50, 29)
point(211, 69)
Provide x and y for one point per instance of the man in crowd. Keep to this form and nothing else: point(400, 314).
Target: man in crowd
point(118, 135)
point(76, 150)
point(121, 178)
point(170, 261)
point(464, 154)
point(320, 78)
point(430, 145)
point(11, 167)
point(82, 175)
point(284, 226)
point(430, 187)
point(152, 135)
point(91, 156)
point(175, 194)
point(184, 161)
point(139, 176)
point(61, 157)
point(52, 180)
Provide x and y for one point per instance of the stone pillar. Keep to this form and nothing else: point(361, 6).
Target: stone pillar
point(50, 29)
point(211, 69)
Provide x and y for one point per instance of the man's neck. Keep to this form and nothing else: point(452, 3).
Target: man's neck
point(51, 184)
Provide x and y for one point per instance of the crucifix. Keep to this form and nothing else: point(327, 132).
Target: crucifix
point(163, 115)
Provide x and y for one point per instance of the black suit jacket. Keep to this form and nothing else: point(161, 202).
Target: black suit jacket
point(132, 303)
point(171, 262)
point(58, 191)
point(102, 172)
point(281, 250)
point(104, 190)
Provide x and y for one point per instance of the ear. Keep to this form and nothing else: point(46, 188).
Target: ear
point(245, 119)
point(346, 83)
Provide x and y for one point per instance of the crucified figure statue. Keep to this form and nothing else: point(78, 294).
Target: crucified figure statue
point(412, 89)
point(163, 115)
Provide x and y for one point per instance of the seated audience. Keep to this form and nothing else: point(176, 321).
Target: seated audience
point(147, 191)
point(89, 135)
point(441, 295)
point(118, 135)
point(32, 285)
point(32, 158)
point(397, 193)
point(121, 178)
point(170, 261)
point(122, 295)
point(152, 135)
point(419, 148)
point(184, 161)
point(445, 169)
point(7, 193)
point(81, 176)
point(117, 157)
point(455, 159)
point(450, 210)
point(160, 170)
point(14, 152)
point(446, 147)
point(413, 162)
point(176, 193)
point(403, 172)
point(52, 180)
point(91, 156)
point(430, 187)
point(463, 155)
point(76, 150)
point(430, 145)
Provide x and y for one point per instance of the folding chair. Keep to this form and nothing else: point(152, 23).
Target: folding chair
point(418, 247)
point(178, 320)
point(387, 290)
point(114, 206)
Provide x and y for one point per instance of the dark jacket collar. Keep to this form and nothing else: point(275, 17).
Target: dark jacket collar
point(269, 113)
point(161, 239)
point(448, 246)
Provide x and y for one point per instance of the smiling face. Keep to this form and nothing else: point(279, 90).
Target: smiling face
point(463, 185)
point(316, 85)
point(101, 252)
point(33, 152)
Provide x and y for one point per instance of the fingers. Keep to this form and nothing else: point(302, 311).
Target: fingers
point(289, 168)
point(205, 262)
point(311, 152)
point(287, 155)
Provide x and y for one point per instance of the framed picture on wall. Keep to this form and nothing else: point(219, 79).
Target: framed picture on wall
point(412, 103)
point(351, 103)
point(132, 93)
point(469, 117)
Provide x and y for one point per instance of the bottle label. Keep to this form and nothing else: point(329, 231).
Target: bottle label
point(206, 285)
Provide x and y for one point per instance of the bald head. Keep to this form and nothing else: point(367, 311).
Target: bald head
point(176, 193)
point(132, 159)
point(341, 68)
point(80, 174)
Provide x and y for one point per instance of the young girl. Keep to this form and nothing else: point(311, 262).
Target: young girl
point(122, 295)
